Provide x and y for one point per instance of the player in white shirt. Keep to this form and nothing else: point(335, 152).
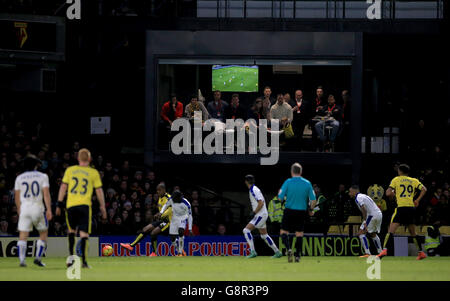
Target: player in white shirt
point(30, 189)
point(372, 218)
point(181, 214)
point(259, 220)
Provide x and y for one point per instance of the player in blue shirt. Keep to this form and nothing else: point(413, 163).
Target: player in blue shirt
point(299, 195)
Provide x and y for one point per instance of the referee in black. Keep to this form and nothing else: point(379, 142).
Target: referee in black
point(300, 198)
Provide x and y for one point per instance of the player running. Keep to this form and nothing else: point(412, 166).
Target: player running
point(30, 188)
point(403, 188)
point(372, 217)
point(259, 220)
point(80, 182)
point(159, 226)
point(181, 214)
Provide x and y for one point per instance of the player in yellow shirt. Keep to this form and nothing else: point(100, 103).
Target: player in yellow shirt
point(404, 188)
point(161, 224)
point(80, 181)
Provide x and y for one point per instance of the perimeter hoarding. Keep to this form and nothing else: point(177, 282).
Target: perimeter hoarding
point(56, 246)
point(234, 246)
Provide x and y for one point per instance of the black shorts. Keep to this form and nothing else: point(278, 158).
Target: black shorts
point(293, 220)
point(163, 225)
point(79, 217)
point(403, 215)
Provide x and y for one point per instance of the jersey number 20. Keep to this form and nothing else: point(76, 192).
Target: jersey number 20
point(34, 189)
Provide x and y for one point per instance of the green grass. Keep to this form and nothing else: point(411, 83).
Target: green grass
point(231, 269)
point(235, 79)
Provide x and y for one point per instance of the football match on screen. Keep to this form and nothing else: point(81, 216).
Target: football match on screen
point(224, 148)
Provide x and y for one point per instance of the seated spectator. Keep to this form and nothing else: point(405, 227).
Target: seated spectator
point(235, 110)
point(58, 229)
point(127, 206)
point(221, 230)
point(443, 210)
point(134, 197)
point(110, 196)
point(265, 111)
point(138, 178)
point(436, 197)
point(196, 212)
point(255, 111)
point(13, 221)
point(104, 226)
point(216, 108)
point(281, 111)
point(148, 217)
point(151, 179)
point(117, 227)
point(137, 222)
point(334, 114)
point(171, 110)
point(287, 98)
point(4, 228)
point(123, 188)
point(111, 215)
point(126, 220)
point(194, 106)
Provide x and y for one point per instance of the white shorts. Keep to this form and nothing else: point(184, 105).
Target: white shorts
point(259, 221)
point(32, 216)
point(176, 223)
point(374, 225)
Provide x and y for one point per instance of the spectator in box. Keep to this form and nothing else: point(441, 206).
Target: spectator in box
point(235, 110)
point(216, 108)
point(255, 111)
point(194, 106)
point(300, 115)
point(281, 111)
point(267, 95)
point(171, 110)
point(333, 111)
point(319, 102)
point(265, 111)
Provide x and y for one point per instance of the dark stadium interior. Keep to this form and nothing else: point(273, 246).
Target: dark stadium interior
point(405, 85)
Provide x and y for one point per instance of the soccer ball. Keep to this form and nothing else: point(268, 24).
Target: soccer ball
point(107, 250)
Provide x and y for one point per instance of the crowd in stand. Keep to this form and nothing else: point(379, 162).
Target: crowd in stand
point(131, 197)
point(323, 117)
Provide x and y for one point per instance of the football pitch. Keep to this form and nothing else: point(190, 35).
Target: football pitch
point(197, 268)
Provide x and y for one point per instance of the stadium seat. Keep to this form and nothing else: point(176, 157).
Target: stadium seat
point(402, 230)
point(354, 219)
point(346, 230)
point(421, 230)
point(445, 230)
point(336, 229)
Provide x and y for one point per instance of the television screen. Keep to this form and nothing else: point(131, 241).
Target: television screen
point(235, 78)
